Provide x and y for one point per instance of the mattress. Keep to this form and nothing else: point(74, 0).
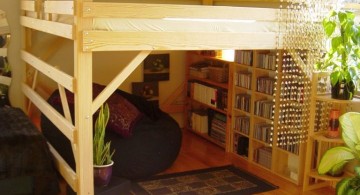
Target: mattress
point(174, 25)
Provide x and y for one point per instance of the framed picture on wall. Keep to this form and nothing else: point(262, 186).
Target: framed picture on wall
point(148, 90)
point(157, 67)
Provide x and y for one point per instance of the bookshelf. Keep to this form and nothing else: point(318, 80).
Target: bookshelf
point(257, 122)
point(318, 143)
point(207, 113)
point(258, 112)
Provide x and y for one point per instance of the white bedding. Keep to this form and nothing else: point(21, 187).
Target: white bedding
point(172, 25)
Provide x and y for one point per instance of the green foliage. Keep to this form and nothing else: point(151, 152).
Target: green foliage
point(342, 54)
point(335, 158)
point(102, 153)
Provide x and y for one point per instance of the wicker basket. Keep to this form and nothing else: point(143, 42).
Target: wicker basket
point(218, 74)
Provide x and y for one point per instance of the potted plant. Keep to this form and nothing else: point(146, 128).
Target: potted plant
point(342, 53)
point(102, 155)
point(334, 159)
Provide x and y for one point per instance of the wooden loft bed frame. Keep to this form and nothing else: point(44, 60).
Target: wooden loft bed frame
point(87, 40)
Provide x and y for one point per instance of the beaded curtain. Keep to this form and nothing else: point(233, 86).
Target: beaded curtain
point(300, 23)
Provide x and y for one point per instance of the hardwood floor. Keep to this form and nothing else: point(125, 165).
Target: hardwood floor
point(197, 153)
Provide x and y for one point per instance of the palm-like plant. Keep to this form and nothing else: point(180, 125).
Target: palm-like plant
point(102, 153)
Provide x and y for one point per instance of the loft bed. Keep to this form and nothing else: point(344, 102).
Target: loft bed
point(100, 26)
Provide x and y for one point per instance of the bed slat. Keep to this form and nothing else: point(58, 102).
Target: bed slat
point(55, 28)
point(54, 116)
point(159, 11)
point(28, 5)
point(53, 73)
point(65, 170)
point(127, 41)
point(116, 82)
point(59, 7)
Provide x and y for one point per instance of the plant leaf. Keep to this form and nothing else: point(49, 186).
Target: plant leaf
point(350, 124)
point(329, 27)
point(334, 77)
point(342, 186)
point(334, 157)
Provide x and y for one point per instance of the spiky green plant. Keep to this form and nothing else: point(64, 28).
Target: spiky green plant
point(102, 153)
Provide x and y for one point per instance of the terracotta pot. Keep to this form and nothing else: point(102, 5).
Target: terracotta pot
point(102, 174)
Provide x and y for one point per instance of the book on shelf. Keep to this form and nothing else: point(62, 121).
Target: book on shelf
point(289, 141)
point(199, 121)
point(200, 70)
point(242, 102)
point(244, 57)
point(242, 124)
point(217, 125)
point(263, 156)
point(267, 61)
point(263, 132)
point(241, 145)
point(264, 108)
point(242, 79)
point(265, 85)
point(204, 94)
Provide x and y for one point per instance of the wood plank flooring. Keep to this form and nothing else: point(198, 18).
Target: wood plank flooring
point(198, 153)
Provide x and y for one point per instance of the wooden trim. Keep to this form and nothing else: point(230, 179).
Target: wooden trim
point(64, 103)
point(120, 78)
point(27, 5)
point(65, 170)
point(160, 11)
point(59, 7)
point(55, 28)
point(129, 41)
point(83, 65)
point(45, 68)
point(57, 119)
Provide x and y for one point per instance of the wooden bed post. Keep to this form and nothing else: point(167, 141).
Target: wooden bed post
point(83, 100)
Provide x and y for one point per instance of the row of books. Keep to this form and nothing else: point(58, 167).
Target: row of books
point(242, 102)
point(290, 115)
point(292, 89)
point(265, 85)
point(243, 57)
point(218, 127)
point(200, 69)
point(199, 121)
point(263, 156)
point(213, 97)
point(289, 142)
point(267, 61)
point(242, 124)
point(242, 79)
point(263, 132)
point(204, 94)
point(264, 108)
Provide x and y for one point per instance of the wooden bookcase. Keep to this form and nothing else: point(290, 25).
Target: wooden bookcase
point(256, 131)
point(255, 105)
point(318, 143)
point(208, 98)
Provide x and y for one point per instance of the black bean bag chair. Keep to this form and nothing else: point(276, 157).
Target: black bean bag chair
point(151, 147)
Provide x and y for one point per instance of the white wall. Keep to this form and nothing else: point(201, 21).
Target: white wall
point(12, 9)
